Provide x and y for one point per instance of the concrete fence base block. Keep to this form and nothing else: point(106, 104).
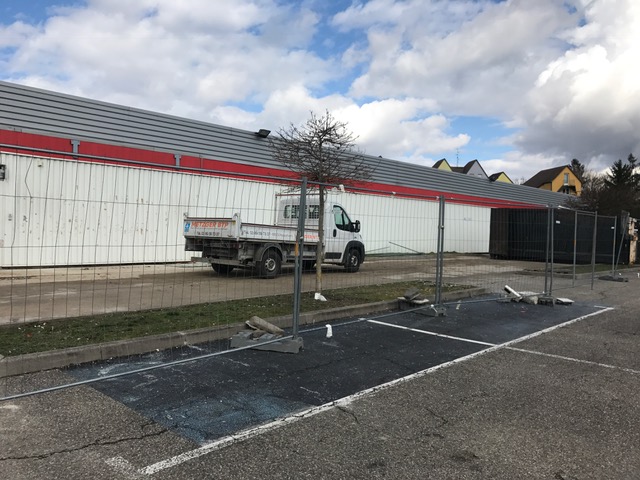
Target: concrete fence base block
point(433, 311)
point(411, 304)
point(546, 300)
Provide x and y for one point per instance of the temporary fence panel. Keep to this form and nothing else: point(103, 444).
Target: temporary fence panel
point(494, 247)
point(125, 237)
point(104, 244)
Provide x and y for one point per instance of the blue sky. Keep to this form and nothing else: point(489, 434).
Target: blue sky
point(519, 85)
point(28, 11)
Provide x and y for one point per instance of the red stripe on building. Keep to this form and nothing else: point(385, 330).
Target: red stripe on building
point(62, 148)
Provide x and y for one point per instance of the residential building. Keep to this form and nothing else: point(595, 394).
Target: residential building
point(558, 179)
point(472, 168)
point(500, 177)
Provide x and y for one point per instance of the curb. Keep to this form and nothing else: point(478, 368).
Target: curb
point(36, 362)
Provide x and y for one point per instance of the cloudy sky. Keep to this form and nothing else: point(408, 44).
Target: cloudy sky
point(520, 85)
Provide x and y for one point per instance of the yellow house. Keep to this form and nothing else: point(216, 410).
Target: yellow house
point(442, 164)
point(500, 177)
point(558, 179)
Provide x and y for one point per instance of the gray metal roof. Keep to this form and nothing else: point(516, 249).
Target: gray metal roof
point(33, 110)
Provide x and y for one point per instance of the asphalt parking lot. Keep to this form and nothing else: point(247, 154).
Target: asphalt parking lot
point(244, 389)
point(489, 391)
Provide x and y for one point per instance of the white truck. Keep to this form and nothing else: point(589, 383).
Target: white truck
point(228, 243)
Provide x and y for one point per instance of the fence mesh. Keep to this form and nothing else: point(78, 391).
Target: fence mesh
point(94, 254)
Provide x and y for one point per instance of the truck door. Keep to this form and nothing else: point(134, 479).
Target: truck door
point(337, 235)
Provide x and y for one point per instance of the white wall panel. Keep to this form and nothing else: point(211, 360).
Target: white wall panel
point(65, 212)
point(467, 228)
point(394, 225)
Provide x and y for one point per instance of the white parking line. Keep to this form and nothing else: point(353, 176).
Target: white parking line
point(131, 473)
point(576, 360)
point(435, 334)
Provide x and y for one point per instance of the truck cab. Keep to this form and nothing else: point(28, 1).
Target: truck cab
point(342, 240)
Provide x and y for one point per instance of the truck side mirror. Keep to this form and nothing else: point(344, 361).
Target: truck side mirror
point(355, 226)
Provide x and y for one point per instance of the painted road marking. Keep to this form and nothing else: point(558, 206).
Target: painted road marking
point(427, 332)
point(576, 360)
point(131, 473)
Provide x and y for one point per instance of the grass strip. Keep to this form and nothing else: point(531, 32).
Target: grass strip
point(72, 332)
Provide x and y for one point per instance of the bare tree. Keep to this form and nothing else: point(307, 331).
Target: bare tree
point(592, 191)
point(324, 151)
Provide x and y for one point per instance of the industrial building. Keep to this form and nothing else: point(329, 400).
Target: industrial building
point(84, 182)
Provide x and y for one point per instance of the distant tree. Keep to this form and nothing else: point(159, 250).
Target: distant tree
point(324, 151)
point(578, 168)
point(623, 175)
point(611, 193)
point(589, 198)
point(621, 188)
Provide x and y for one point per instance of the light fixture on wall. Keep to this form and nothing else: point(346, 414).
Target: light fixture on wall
point(3, 172)
point(263, 133)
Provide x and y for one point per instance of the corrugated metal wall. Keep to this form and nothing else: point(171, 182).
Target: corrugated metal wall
point(61, 212)
point(66, 212)
point(38, 111)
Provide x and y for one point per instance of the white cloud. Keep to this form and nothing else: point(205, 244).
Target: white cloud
point(586, 103)
point(564, 74)
point(16, 34)
point(392, 128)
point(163, 55)
point(399, 128)
point(487, 51)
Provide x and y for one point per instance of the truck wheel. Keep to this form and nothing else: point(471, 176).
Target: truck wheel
point(352, 262)
point(222, 269)
point(269, 266)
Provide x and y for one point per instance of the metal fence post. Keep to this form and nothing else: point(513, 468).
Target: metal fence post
point(552, 249)
point(297, 281)
point(546, 253)
point(575, 246)
point(613, 248)
point(440, 252)
point(593, 248)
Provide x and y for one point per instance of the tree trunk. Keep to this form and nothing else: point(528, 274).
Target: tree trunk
point(320, 247)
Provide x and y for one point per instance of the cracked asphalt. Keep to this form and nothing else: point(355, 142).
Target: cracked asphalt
point(562, 405)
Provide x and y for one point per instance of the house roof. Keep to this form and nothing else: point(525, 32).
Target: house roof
point(495, 176)
point(545, 176)
point(467, 167)
point(440, 162)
